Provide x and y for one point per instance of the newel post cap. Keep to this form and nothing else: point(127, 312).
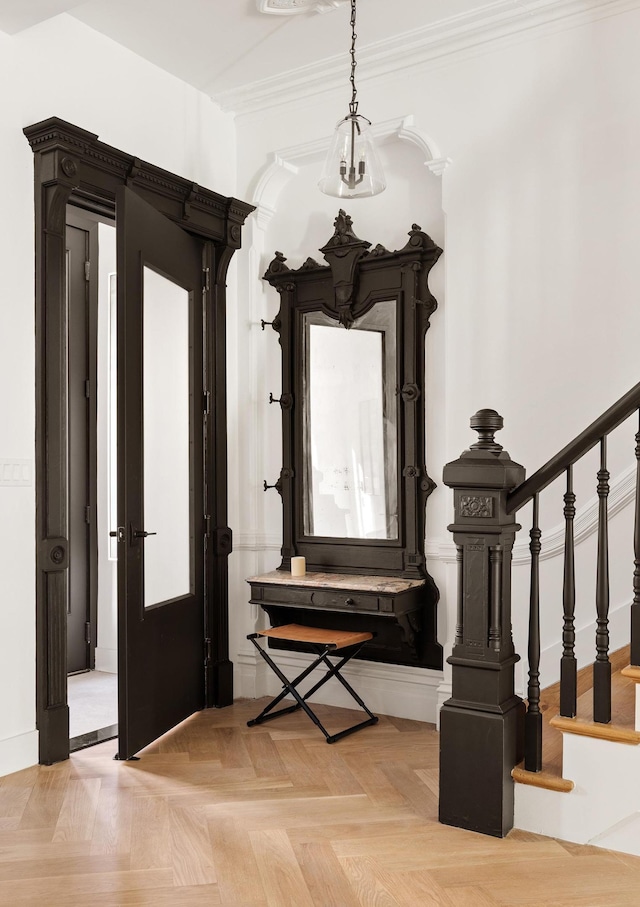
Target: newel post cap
point(486, 422)
point(484, 464)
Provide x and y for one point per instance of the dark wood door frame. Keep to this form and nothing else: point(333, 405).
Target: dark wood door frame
point(88, 267)
point(73, 167)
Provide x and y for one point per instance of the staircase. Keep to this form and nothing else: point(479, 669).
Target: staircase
point(574, 752)
point(587, 791)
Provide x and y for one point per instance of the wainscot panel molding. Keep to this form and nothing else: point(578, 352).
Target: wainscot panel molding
point(503, 21)
point(585, 524)
point(623, 489)
point(247, 541)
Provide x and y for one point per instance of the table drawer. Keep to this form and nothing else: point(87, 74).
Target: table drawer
point(345, 600)
point(331, 599)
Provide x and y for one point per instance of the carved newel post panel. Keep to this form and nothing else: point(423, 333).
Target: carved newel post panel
point(481, 725)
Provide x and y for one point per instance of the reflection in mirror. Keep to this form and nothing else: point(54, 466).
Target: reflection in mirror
point(167, 479)
point(351, 426)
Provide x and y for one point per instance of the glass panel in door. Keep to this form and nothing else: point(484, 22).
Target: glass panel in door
point(168, 562)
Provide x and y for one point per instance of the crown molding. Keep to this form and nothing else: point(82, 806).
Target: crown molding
point(502, 20)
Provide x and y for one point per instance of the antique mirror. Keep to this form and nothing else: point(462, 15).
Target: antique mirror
point(354, 482)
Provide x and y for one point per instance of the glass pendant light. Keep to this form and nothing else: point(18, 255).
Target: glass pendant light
point(352, 168)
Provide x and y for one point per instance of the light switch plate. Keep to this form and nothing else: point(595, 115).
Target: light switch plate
point(16, 472)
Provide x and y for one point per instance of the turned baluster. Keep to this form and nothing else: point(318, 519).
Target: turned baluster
point(602, 665)
point(533, 717)
point(568, 666)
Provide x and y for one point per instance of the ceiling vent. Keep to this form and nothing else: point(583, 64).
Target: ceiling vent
point(293, 7)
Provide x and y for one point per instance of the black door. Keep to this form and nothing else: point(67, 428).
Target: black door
point(80, 473)
point(160, 474)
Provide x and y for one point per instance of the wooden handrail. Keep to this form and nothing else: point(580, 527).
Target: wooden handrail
point(609, 420)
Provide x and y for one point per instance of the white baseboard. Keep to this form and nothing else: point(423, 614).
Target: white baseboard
point(443, 693)
point(397, 690)
point(249, 676)
point(18, 752)
point(107, 660)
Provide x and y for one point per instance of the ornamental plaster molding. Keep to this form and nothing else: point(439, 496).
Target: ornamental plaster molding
point(585, 524)
point(296, 7)
point(622, 494)
point(503, 22)
point(285, 163)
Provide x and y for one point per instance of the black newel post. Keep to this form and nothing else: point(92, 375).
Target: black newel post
point(481, 726)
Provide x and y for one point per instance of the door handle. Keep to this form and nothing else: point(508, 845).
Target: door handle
point(141, 534)
point(118, 533)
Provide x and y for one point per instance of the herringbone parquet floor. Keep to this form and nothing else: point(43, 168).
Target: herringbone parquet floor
point(216, 813)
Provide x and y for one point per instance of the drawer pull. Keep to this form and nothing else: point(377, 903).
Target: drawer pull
point(350, 601)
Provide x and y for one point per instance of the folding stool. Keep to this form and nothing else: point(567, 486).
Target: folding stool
point(323, 643)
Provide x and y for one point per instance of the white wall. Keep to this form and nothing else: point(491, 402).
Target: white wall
point(537, 287)
point(62, 68)
point(538, 315)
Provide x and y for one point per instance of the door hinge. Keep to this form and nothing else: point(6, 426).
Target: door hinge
point(207, 650)
point(207, 525)
point(207, 403)
point(87, 633)
point(87, 270)
point(205, 279)
point(87, 513)
point(87, 388)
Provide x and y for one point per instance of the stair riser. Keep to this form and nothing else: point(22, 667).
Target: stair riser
point(606, 792)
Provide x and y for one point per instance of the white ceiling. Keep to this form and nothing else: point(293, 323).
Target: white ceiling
point(220, 45)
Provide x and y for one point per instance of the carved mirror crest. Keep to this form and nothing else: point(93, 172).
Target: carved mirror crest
point(354, 481)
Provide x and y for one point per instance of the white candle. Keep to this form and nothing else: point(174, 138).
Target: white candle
point(298, 566)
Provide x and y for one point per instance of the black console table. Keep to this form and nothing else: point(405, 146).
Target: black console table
point(401, 612)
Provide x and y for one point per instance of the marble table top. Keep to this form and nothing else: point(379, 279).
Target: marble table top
point(354, 581)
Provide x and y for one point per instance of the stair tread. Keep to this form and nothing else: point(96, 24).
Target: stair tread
point(619, 733)
point(632, 672)
point(623, 708)
point(549, 780)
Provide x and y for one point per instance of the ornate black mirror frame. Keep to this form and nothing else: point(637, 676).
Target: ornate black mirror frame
point(354, 279)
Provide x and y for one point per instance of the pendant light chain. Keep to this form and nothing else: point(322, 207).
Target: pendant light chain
point(352, 168)
point(353, 106)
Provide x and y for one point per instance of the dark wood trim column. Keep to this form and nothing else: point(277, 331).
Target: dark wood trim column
point(481, 726)
point(52, 517)
point(72, 166)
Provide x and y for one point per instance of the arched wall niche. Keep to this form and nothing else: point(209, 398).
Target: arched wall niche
point(292, 216)
point(285, 164)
